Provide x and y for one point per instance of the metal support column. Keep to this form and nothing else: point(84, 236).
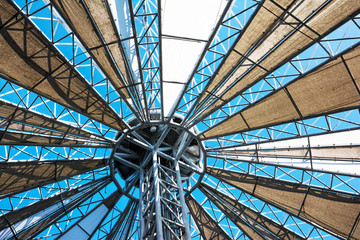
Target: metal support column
point(158, 218)
point(162, 207)
point(141, 203)
point(182, 201)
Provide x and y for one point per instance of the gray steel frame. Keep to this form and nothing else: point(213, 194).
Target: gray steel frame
point(155, 182)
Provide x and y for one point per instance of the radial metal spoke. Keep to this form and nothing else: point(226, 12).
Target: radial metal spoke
point(208, 227)
point(18, 215)
point(248, 220)
point(123, 225)
point(144, 22)
point(46, 71)
point(167, 119)
point(92, 22)
point(315, 93)
point(96, 216)
point(22, 176)
point(298, 25)
point(56, 212)
point(308, 153)
point(303, 201)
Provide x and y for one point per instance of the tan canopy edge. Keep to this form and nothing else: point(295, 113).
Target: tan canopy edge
point(21, 176)
point(8, 137)
point(25, 212)
point(18, 115)
point(77, 15)
point(336, 152)
point(208, 227)
point(332, 87)
point(253, 232)
point(273, 36)
point(333, 211)
point(243, 216)
point(35, 64)
point(34, 229)
point(108, 202)
point(130, 210)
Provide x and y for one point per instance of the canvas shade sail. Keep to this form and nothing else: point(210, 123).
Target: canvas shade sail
point(55, 212)
point(20, 214)
point(337, 152)
point(29, 60)
point(15, 117)
point(8, 137)
point(20, 176)
point(334, 211)
point(278, 31)
point(92, 21)
point(331, 87)
point(208, 227)
point(255, 225)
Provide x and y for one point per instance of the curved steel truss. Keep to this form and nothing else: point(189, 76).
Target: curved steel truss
point(150, 119)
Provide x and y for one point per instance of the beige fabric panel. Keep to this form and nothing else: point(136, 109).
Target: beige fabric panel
point(337, 212)
point(102, 16)
point(355, 234)
point(243, 211)
point(25, 138)
point(333, 13)
point(266, 16)
point(75, 13)
point(4, 123)
point(334, 211)
point(21, 176)
point(329, 88)
point(231, 124)
point(271, 110)
point(340, 152)
point(238, 218)
point(278, 192)
point(38, 67)
point(25, 116)
point(208, 227)
point(352, 60)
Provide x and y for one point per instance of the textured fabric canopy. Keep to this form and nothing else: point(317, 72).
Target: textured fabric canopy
point(333, 211)
point(278, 31)
point(20, 176)
point(39, 67)
point(207, 226)
point(180, 119)
point(92, 22)
point(333, 86)
point(253, 224)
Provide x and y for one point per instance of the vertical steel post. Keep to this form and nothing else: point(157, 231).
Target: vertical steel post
point(182, 201)
point(157, 198)
point(141, 202)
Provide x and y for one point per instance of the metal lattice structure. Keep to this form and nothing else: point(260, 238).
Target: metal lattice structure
point(164, 119)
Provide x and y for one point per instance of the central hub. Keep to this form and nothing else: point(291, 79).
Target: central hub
point(170, 141)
